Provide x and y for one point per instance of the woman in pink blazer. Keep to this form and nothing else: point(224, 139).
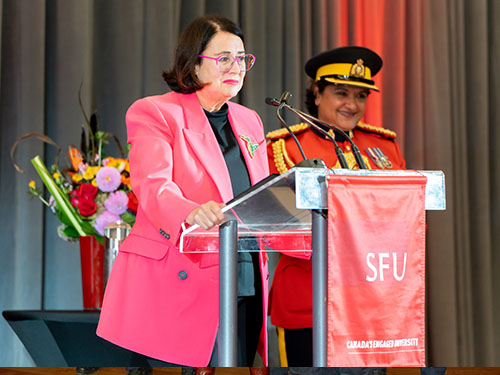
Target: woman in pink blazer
point(189, 154)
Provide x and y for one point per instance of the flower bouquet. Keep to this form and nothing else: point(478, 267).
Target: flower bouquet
point(87, 194)
point(91, 192)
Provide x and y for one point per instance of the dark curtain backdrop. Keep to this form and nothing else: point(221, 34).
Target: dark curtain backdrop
point(440, 92)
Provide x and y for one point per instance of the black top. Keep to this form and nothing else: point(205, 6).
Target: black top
point(219, 121)
point(248, 263)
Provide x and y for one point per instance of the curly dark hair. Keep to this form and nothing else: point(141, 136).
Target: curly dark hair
point(193, 41)
point(311, 106)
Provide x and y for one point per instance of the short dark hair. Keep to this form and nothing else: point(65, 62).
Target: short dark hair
point(193, 41)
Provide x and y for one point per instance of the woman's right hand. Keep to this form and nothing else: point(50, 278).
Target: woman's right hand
point(207, 215)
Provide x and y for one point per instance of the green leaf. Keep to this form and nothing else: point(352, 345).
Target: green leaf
point(70, 232)
point(60, 197)
point(64, 218)
point(99, 238)
point(128, 218)
point(89, 229)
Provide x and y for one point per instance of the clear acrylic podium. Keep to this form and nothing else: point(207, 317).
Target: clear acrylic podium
point(285, 213)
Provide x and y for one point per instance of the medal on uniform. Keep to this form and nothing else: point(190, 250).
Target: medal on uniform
point(251, 146)
point(378, 157)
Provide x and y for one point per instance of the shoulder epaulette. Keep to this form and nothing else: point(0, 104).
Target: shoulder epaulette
point(283, 132)
point(376, 129)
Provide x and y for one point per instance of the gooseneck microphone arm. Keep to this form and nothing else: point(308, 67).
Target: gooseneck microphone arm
point(283, 122)
point(307, 163)
point(283, 104)
point(355, 149)
point(338, 150)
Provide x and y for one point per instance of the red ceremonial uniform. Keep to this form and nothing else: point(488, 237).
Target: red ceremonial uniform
point(290, 301)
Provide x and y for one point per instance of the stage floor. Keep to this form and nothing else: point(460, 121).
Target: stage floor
point(225, 371)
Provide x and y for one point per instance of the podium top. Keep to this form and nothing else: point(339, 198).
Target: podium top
point(274, 214)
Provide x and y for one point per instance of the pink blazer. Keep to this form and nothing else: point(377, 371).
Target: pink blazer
point(159, 302)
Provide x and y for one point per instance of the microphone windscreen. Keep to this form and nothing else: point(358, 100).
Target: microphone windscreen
point(272, 101)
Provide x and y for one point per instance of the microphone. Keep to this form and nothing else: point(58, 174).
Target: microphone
point(275, 102)
point(355, 150)
point(311, 163)
point(272, 101)
point(282, 103)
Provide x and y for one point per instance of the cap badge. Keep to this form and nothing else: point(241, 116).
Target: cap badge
point(358, 69)
point(251, 146)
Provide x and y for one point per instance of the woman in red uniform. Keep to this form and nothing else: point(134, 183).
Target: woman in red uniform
point(341, 84)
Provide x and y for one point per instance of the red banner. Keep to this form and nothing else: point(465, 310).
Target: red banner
point(376, 271)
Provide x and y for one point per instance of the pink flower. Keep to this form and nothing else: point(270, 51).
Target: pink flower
point(108, 179)
point(117, 202)
point(82, 167)
point(104, 219)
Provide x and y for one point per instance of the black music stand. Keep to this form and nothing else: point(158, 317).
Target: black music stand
point(68, 339)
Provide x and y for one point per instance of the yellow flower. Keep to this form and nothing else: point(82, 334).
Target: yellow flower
point(56, 175)
point(89, 174)
point(119, 164)
point(94, 182)
point(77, 177)
point(93, 169)
point(32, 184)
